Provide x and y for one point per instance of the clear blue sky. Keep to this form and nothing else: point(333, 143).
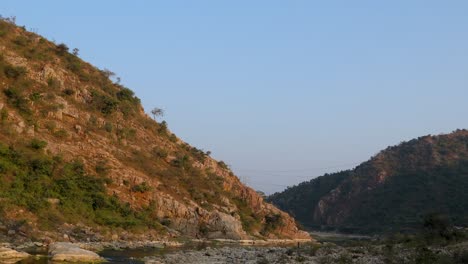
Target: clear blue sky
point(281, 90)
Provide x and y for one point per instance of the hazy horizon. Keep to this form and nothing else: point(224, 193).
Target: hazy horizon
point(281, 91)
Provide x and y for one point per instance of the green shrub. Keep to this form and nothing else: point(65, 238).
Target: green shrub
point(50, 125)
point(3, 115)
point(126, 94)
point(102, 168)
point(21, 41)
point(162, 129)
point(62, 49)
point(61, 133)
point(37, 144)
point(35, 97)
point(197, 153)
point(104, 103)
point(182, 161)
point(108, 127)
point(173, 138)
point(160, 152)
point(16, 98)
point(301, 258)
point(74, 64)
point(53, 83)
point(272, 222)
point(223, 165)
point(250, 222)
point(142, 188)
point(126, 133)
point(14, 72)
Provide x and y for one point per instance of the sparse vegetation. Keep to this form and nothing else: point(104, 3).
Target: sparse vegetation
point(53, 83)
point(272, 223)
point(28, 177)
point(104, 103)
point(101, 168)
point(160, 152)
point(14, 72)
point(250, 222)
point(37, 144)
point(142, 188)
point(17, 99)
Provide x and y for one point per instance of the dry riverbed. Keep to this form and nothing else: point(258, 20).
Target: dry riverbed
point(250, 252)
point(317, 254)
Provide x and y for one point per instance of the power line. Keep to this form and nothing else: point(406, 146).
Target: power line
point(284, 173)
point(269, 183)
point(297, 170)
point(279, 175)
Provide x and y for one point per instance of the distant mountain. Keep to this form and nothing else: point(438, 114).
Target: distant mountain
point(392, 191)
point(79, 156)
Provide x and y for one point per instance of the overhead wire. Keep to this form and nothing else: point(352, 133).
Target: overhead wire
point(286, 173)
point(290, 173)
point(300, 170)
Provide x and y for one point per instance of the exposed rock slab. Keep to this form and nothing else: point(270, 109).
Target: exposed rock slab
point(63, 251)
point(10, 254)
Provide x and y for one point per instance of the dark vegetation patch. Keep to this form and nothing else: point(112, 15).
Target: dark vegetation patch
point(28, 177)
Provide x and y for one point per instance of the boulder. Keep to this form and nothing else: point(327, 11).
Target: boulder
point(10, 254)
point(69, 252)
point(222, 225)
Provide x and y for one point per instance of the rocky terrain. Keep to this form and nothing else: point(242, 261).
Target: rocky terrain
point(68, 252)
point(391, 192)
point(8, 255)
point(82, 161)
point(318, 254)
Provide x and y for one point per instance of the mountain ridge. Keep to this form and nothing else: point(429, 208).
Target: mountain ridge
point(390, 192)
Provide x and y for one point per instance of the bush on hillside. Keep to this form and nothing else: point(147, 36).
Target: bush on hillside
point(28, 178)
point(14, 72)
point(37, 144)
point(62, 49)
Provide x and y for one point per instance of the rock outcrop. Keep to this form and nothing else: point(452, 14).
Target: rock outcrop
point(11, 255)
point(68, 252)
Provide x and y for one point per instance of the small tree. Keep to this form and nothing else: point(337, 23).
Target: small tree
point(157, 112)
point(75, 51)
point(62, 48)
point(108, 73)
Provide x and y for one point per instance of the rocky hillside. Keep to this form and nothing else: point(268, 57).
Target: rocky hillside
point(79, 156)
point(392, 191)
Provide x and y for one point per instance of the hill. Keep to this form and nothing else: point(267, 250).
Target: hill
point(393, 191)
point(79, 156)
